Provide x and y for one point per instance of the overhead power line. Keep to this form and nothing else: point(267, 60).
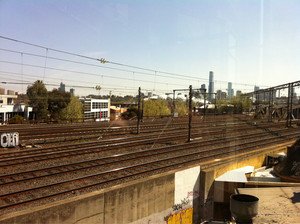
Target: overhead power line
point(86, 73)
point(120, 64)
point(104, 86)
point(88, 64)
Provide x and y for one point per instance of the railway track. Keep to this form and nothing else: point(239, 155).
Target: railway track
point(46, 184)
point(78, 149)
point(56, 134)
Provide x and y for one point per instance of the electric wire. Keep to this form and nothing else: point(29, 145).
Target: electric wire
point(89, 64)
point(115, 63)
point(86, 73)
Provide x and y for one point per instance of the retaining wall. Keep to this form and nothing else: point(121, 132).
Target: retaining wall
point(149, 199)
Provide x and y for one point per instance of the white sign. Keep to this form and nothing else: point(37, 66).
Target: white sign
point(9, 139)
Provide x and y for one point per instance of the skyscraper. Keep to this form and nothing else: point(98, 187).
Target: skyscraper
point(62, 87)
point(202, 88)
point(211, 86)
point(230, 90)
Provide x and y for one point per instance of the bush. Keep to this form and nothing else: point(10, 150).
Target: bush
point(17, 119)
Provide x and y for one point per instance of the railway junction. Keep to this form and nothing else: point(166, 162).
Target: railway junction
point(115, 172)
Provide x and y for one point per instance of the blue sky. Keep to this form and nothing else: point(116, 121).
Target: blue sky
point(242, 41)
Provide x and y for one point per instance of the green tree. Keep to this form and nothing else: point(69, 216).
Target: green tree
point(247, 103)
point(38, 99)
point(57, 101)
point(74, 110)
point(222, 106)
point(153, 108)
point(237, 104)
point(181, 108)
point(240, 104)
point(130, 113)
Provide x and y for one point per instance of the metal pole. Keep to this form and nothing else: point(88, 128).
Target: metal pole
point(272, 102)
point(204, 104)
point(270, 106)
point(215, 104)
point(190, 113)
point(291, 105)
point(173, 103)
point(139, 111)
point(142, 116)
point(288, 106)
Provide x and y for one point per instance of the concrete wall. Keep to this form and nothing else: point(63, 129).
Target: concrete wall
point(151, 197)
point(120, 204)
point(136, 201)
point(187, 184)
point(212, 170)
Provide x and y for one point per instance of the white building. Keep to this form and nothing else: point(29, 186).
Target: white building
point(8, 108)
point(97, 109)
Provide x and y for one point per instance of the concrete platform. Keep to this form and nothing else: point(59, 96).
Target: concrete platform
point(276, 204)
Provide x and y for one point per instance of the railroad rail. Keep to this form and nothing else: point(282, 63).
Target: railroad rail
point(23, 184)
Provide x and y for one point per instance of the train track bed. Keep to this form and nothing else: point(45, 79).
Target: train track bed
point(40, 176)
point(46, 135)
point(125, 144)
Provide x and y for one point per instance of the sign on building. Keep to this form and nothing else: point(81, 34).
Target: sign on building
point(10, 139)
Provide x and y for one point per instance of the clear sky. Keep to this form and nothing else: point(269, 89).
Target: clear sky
point(245, 42)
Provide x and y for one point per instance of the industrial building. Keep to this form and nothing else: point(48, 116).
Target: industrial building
point(96, 109)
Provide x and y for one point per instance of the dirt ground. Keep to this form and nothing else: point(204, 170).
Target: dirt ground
point(276, 205)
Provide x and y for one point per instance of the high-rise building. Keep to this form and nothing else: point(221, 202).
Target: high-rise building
point(238, 92)
point(221, 95)
point(230, 90)
point(72, 91)
point(203, 90)
point(256, 88)
point(62, 87)
point(211, 86)
point(203, 87)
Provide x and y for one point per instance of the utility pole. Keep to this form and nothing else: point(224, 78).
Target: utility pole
point(270, 115)
point(204, 111)
point(173, 103)
point(288, 106)
point(291, 104)
point(139, 111)
point(142, 117)
point(190, 112)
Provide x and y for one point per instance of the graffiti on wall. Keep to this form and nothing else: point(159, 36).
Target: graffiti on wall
point(193, 194)
point(184, 217)
point(9, 139)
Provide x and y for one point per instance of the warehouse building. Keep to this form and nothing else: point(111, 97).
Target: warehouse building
point(96, 109)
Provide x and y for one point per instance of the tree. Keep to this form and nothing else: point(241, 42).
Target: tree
point(57, 101)
point(38, 99)
point(222, 106)
point(130, 113)
point(240, 104)
point(181, 108)
point(154, 108)
point(74, 110)
point(247, 103)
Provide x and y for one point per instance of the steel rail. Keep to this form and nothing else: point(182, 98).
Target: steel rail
point(128, 168)
point(156, 151)
point(87, 150)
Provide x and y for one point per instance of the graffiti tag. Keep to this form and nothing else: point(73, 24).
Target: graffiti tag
point(9, 139)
